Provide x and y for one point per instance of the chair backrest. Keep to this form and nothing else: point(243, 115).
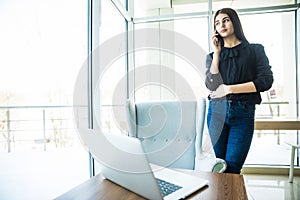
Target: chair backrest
point(169, 130)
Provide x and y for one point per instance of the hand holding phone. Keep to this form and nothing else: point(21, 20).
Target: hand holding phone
point(217, 40)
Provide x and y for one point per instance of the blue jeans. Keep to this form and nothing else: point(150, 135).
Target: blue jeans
point(231, 127)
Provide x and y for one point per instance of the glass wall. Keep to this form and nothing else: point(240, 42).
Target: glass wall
point(190, 21)
point(110, 87)
point(178, 36)
point(276, 31)
point(108, 74)
point(43, 46)
point(152, 9)
point(279, 45)
point(279, 101)
point(256, 4)
point(41, 53)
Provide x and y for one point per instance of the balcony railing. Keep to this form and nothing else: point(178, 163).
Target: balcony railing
point(42, 127)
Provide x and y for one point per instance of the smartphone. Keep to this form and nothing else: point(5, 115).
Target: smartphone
point(220, 39)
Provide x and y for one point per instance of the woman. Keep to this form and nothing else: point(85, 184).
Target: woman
point(237, 72)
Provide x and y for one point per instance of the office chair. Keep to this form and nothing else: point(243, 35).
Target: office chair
point(171, 133)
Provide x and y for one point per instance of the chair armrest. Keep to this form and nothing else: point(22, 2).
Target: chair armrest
point(210, 164)
point(219, 166)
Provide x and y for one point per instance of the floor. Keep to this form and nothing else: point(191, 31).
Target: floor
point(46, 175)
point(263, 187)
point(41, 175)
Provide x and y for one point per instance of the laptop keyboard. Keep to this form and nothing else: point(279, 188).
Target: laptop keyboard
point(167, 188)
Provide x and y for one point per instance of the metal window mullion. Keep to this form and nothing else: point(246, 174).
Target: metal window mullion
point(297, 77)
point(123, 11)
point(89, 78)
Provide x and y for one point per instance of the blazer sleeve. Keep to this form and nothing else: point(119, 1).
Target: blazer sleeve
point(212, 81)
point(264, 75)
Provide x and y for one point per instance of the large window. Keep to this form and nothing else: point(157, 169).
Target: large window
point(281, 100)
point(43, 45)
point(280, 48)
point(152, 9)
point(193, 21)
point(253, 5)
point(112, 70)
point(108, 69)
point(171, 50)
point(276, 31)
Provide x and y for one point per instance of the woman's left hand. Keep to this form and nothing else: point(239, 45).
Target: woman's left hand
point(221, 91)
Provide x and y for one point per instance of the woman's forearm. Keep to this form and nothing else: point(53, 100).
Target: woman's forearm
point(214, 69)
point(247, 87)
point(224, 90)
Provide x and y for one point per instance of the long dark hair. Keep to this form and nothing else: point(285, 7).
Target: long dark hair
point(238, 29)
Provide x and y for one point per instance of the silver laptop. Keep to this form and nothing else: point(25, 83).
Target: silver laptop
point(123, 161)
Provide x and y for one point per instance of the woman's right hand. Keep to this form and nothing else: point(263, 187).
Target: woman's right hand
point(216, 43)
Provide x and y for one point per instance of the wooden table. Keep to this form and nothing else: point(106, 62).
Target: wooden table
point(277, 124)
point(281, 124)
point(221, 186)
